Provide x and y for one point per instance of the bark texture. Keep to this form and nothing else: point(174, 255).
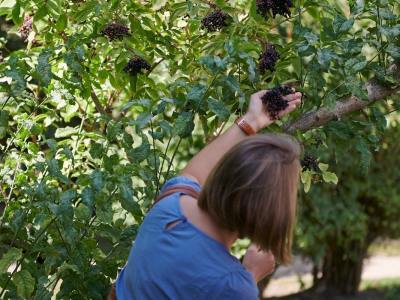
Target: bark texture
point(376, 92)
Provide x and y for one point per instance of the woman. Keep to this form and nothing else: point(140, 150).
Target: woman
point(247, 188)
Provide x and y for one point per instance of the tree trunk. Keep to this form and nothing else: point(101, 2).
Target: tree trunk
point(341, 271)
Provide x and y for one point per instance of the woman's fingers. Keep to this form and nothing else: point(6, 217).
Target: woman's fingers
point(293, 97)
point(292, 106)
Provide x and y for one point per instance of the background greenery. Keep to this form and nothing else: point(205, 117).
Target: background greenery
point(84, 146)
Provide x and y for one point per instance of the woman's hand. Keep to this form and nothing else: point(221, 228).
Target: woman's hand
point(259, 263)
point(256, 114)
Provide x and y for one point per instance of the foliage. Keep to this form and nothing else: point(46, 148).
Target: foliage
point(361, 208)
point(86, 146)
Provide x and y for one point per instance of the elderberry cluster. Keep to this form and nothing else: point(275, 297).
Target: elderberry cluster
point(276, 7)
point(273, 100)
point(26, 28)
point(136, 65)
point(268, 59)
point(309, 162)
point(115, 31)
point(285, 90)
point(215, 20)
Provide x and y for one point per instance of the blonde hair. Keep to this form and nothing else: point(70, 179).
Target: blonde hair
point(253, 190)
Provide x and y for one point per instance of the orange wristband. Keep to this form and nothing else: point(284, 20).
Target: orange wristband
point(244, 126)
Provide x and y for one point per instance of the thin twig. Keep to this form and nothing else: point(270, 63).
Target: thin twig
point(154, 154)
point(162, 164)
point(5, 102)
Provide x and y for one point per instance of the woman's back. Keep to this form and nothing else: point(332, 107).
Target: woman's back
point(189, 264)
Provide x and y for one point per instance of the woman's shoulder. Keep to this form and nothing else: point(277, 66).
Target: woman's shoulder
point(166, 205)
point(182, 179)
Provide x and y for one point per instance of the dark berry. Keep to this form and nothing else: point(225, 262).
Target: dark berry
point(309, 162)
point(26, 28)
point(136, 65)
point(274, 7)
point(268, 59)
point(285, 90)
point(215, 20)
point(115, 31)
point(40, 260)
point(274, 103)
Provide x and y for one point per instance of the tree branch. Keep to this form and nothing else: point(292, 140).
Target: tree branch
point(97, 103)
point(376, 92)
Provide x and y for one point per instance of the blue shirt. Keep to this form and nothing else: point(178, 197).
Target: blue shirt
point(181, 262)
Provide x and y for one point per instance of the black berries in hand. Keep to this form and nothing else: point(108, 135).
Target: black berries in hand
point(275, 7)
point(268, 59)
point(273, 101)
point(115, 31)
point(136, 65)
point(215, 20)
point(285, 90)
point(309, 162)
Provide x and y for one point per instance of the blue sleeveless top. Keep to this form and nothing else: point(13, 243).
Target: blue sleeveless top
point(180, 263)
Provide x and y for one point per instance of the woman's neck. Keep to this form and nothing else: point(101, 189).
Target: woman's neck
point(203, 221)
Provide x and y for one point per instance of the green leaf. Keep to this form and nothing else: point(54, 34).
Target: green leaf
point(184, 124)
point(25, 283)
point(10, 257)
point(140, 153)
point(390, 31)
point(18, 83)
point(142, 120)
point(218, 108)
point(97, 181)
point(365, 153)
point(355, 65)
point(110, 162)
point(43, 68)
point(165, 126)
point(114, 129)
point(214, 63)
point(306, 177)
point(7, 4)
point(4, 116)
point(342, 25)
point(96, 150)
point(393, 51)
point(323, 167)
point(66, 267)
point(62, 22)
point(196, 94)
point(55, 170)
point(127, 200)
point(325, 57)
point(54, 7)
point(88, 197)
point(65, 132)
point(311, 38)
point(330, 177)
point(252, 69)
point(42, 293)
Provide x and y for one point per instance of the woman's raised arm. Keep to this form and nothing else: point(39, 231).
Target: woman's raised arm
point(200, 166)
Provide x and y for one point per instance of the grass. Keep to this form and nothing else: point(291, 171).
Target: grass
point(385, 247)
point(381, 284)
point(389, 286)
